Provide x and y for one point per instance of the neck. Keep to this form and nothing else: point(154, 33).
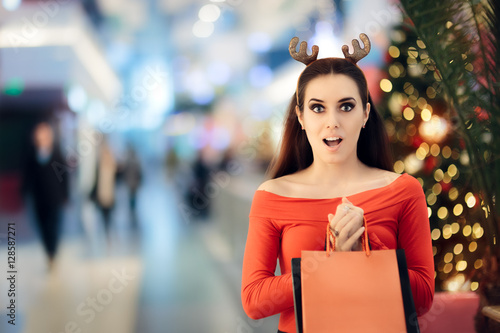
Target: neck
point(335, 174)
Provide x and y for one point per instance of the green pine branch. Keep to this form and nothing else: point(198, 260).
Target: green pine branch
point(462, 38)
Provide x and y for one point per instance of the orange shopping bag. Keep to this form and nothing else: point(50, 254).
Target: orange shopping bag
point(358, 291)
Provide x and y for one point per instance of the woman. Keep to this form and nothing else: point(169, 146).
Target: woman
point(333, 167)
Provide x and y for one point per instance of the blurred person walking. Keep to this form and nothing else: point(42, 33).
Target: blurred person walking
point(46, 179)
point(132, 175)
point(103, 193)
point(172, 163)
point(197, 196)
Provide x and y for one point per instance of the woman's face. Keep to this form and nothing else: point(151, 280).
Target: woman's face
point(333, 117)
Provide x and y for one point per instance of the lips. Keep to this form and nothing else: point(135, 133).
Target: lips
point(332, 141)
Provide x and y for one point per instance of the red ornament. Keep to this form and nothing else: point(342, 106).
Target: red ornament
point(481, 114)
point(388, 58)
point(416, 141)
point(430, 164)
point(461, 142)
point(445, 187)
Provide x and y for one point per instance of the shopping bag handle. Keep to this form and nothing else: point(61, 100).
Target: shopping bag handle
point(330, 240)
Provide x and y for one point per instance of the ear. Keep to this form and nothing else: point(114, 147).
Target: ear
point(299, 116)
point(367, 113)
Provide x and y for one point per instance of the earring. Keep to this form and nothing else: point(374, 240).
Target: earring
point(364, 125)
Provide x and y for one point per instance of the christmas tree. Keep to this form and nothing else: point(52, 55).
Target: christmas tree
point(425, 144)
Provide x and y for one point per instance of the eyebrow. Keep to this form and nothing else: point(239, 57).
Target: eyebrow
point(340, 100)
point(346, 99)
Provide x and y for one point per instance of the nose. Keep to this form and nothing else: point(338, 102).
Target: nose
point(333, 120)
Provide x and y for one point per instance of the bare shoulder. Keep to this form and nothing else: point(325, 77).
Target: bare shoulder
point(381, 177)
point(281, 186)
point(273, 185)
point(390, 176)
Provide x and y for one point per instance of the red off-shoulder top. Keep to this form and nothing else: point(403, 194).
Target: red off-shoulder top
point(281, 227)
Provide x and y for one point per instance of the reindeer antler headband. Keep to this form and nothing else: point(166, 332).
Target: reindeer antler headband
point(302, 56)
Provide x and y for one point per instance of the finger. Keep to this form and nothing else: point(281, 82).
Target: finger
point(346, 202)
point(345, 209)
point(341, 223)
point(353, 208)
point(333, 226)
point(350, 223)
point(348, 231)
point(353, 240)
point(342, 210)
point(350, 218)
point(334, 220)
point(349, 227)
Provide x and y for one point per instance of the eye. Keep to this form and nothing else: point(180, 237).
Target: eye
point(317, 108)
point(346, 107)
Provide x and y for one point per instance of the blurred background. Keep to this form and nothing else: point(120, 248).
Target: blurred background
point(133, 135)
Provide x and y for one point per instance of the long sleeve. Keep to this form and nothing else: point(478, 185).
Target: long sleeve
point(415, 238)
point(264, 294)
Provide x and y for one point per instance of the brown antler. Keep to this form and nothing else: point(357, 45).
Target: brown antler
point(302, 55)
point(359, 53)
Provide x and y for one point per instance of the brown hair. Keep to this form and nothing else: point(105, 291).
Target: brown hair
point(296, 154)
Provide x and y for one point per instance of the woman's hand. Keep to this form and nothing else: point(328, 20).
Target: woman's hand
point(347, 226)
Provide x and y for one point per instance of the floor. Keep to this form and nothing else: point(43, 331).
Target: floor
point(162, 274)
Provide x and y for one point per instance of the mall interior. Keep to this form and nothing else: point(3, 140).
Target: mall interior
point(165, 115)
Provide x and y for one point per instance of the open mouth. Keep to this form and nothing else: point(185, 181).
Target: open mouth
point(332, 141)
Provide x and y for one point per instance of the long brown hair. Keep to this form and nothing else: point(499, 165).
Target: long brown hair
point(296, 153)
